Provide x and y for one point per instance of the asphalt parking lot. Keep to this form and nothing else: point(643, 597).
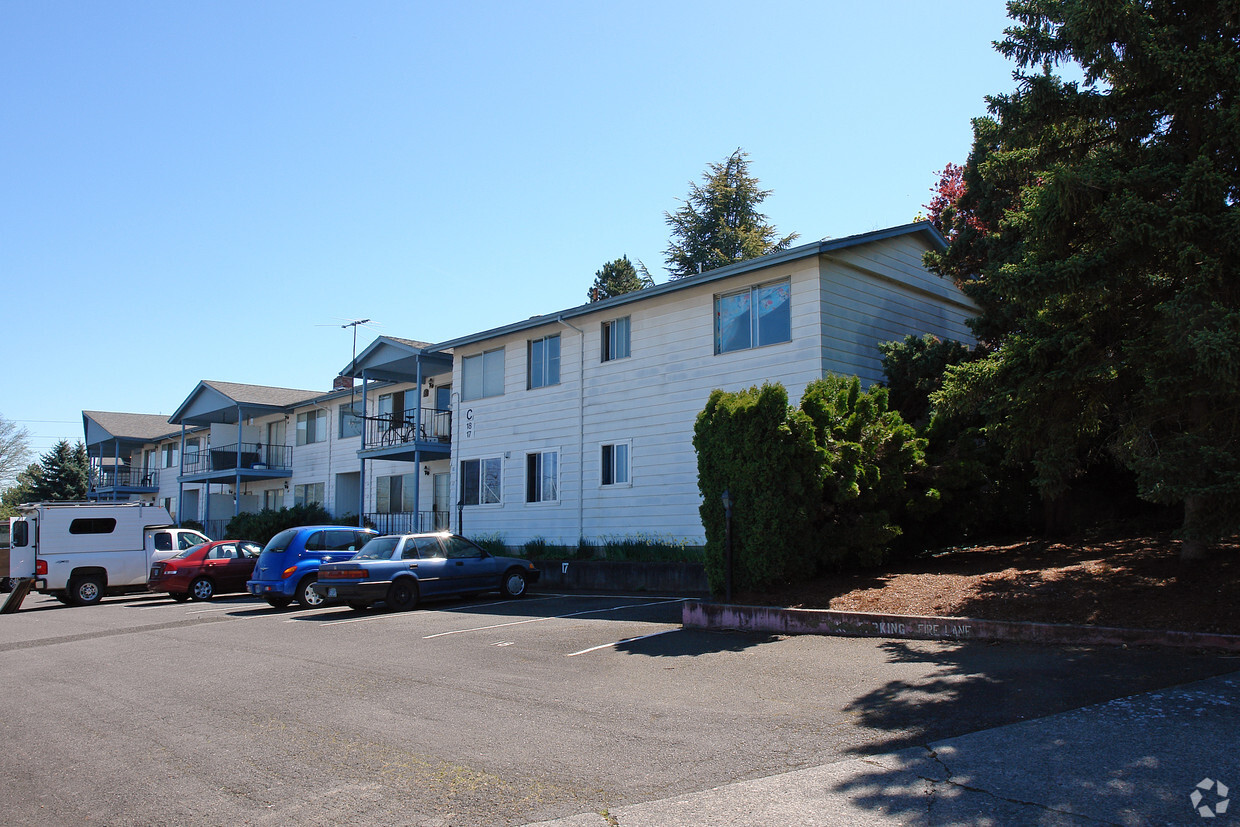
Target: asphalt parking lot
point(146, 711)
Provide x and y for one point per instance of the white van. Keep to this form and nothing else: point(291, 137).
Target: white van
point(78, 552)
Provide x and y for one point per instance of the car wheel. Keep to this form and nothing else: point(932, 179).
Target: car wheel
point(513, 584)
point(278, 601)
point(306, 595)
point(359, 605)
point(86, 591)
point(202, 589)
point(402, 595)
point(179, 597)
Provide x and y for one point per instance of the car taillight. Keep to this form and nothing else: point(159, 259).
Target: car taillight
point(343, 574)
point(289, 572)
point(40, 567)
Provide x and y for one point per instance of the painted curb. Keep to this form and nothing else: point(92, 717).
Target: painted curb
point(701, 615)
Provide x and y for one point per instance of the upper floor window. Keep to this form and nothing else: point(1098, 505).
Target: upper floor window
point(483, 374)
point(350, 421)
point(542, 477)
point(753, 317)
point(480, 481)
point(544, 362)
point(311, 427)
point(191, 450)
point(615, 340)
point(171, 455)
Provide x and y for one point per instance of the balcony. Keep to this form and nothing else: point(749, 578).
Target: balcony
point(109, 482)
point(407, 522)
point(250, 460)
point(399, 436)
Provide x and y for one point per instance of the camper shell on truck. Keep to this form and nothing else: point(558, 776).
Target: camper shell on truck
point(78, 552)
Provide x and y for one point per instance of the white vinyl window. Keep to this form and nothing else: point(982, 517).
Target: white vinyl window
point(311, 427)
point(615, 464)
point(483, 374)
point(615, 340)
point(542, 477)
point(753, 317)
point(544, 362)
point(480, 481)
point(394, 494)
point(308, 494)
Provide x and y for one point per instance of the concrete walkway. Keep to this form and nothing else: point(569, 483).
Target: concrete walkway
point(1132, 761)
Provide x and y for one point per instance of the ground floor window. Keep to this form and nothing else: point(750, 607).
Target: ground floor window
point(480, 481)
point(542, 477)
point(309, 494)
point(615, 464)
point(394, 494)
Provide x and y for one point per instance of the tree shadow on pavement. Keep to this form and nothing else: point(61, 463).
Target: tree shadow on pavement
point(973, 686)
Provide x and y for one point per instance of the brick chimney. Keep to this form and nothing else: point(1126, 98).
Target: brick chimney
point(342, 383)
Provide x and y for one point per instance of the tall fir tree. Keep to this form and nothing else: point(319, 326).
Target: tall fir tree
point(719, 223)
point(616, 278)
point(63, 474)
point(1099, 231)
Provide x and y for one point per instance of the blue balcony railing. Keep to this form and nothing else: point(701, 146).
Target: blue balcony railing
point(252, 455)
point(403, 429)
point(111, 478)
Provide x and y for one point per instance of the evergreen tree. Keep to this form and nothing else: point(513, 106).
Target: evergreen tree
point(617, 278)
point(1099, 231)
point(719, 222)
point(62, 475)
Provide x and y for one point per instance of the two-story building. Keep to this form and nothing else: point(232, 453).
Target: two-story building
point(574, 424)
point(579, 423)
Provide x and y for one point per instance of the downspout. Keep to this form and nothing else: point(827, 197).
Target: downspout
point(581, 429)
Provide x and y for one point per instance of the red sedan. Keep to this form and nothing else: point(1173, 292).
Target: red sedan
point(205, 570)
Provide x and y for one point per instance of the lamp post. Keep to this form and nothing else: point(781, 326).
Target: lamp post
point(727, 543)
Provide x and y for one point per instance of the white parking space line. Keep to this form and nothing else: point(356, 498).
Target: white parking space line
point(391, 615)
point(620, 642)
point(553, 617)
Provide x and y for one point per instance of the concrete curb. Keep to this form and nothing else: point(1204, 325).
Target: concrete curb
point(702, 615)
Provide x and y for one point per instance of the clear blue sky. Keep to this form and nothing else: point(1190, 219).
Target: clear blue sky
point(207, 190)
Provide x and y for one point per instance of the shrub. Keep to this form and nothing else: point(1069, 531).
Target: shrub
point(263, 525)
point(868, 454)
point(753, 446)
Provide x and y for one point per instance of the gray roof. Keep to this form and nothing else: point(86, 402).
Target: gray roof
point(922, 229)
point(133, 425)
point(262, 394)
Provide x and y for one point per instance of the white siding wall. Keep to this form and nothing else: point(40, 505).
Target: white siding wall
point(650, 400)
point(878, 293)
point(843, 305)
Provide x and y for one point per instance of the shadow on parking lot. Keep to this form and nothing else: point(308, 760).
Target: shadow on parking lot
point(693, 642)
point(973, 686)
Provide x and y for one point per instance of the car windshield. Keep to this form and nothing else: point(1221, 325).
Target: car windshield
point(187, 552)
point(380, 548)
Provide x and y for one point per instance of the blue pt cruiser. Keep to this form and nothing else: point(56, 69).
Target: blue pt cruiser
point(401, 569)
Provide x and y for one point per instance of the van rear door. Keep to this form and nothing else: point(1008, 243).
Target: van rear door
point(23, 536)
